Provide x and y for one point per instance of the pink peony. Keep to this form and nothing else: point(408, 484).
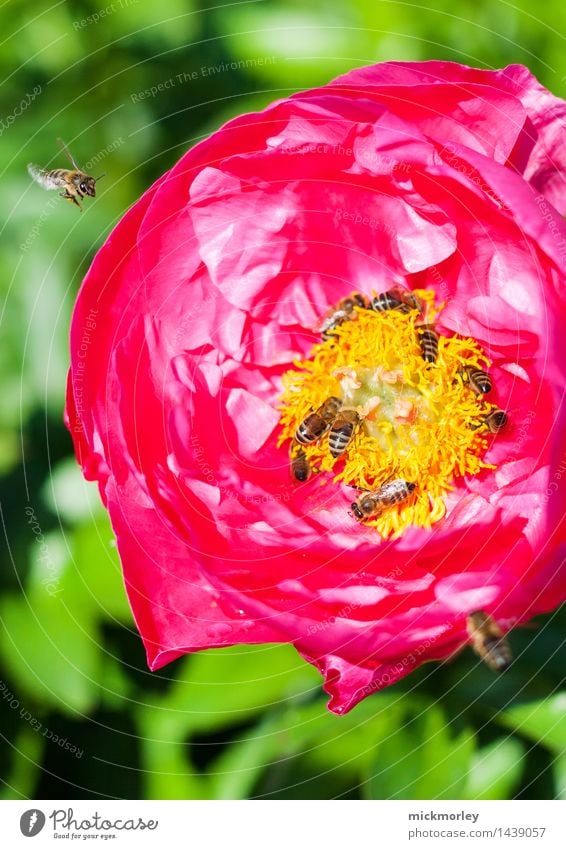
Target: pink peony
point(429, 176)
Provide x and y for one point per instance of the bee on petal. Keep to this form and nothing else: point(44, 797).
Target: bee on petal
point(300, 466)
point(369, 505)
point(337, 315)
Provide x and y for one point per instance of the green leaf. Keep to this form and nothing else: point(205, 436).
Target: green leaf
point(222, 687)
point(168, 771)
point(20, 782)
point(287, 46)
point(155, 23)
point(423, 759)
point(50, 651)
point(346, 742)
point(69, 496)
point(560, 776)
point(50, 642)
point(49, 558)
point(96, 568)
point(235, 772)
point(115, 686)
point(544, 721)
point(495, 770)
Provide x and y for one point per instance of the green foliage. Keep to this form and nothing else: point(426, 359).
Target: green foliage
point(544, 722)
point(244, 721)
point(495, 770)
point(50, 643)
point(423, 758)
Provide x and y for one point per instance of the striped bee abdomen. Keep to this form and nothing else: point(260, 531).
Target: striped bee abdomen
point(428, 341)
point(300, 467)
point(480, 381)
point(388, 301)
point(342, 431)
point(316, 424)
point(310, 429)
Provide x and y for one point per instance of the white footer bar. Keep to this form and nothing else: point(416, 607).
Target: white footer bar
point(285, 824)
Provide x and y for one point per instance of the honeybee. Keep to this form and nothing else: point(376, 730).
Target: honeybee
point(494, 421)
point(371, 504)
point(428, 341)
point(396, 299)
point(479, 380)
point(300, 466)
point(342, 431)
point(488, 641)
point(75, 182)
point(343, 311)
point(316, 424)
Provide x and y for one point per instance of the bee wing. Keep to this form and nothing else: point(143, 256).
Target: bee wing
point(43, 177)
point(68, 153)
point(324, 321)
point(331, 319)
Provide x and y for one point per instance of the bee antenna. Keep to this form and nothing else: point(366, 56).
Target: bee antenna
point(101, 176)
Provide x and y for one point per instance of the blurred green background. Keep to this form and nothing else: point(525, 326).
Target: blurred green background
point(80, 715)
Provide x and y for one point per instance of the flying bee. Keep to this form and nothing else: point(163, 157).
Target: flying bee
point(396, 299)
point(300, 466)
point(337, 315)
point(75, 182)
point(488, 641)
point(428, 341)
point(372, 504)
point(479, 380)
point(316, 424)
point(342, 431)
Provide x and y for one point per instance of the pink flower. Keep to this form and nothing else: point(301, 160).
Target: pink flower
point(432, 176)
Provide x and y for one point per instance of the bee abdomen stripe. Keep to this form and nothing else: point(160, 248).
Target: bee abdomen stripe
point(339, 438)
point(384, 302)
point(428, 341)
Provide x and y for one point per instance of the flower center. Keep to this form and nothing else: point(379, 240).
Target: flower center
point(395, 410)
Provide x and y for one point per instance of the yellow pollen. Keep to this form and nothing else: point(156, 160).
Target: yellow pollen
point(419, 420)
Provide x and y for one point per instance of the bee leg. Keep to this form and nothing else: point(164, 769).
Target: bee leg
point(72, 198)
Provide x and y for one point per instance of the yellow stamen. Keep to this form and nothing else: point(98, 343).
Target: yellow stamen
point(419, 420)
